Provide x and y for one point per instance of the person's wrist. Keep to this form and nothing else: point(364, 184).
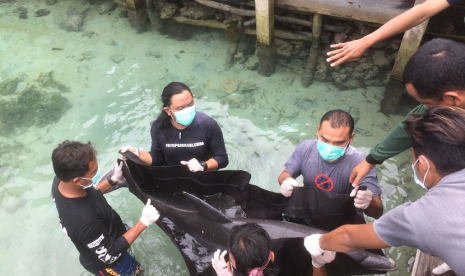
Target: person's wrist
point(111, 180)
point(204, 166)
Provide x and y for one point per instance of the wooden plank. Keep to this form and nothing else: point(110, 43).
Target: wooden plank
point(425, 263)
point(375, 11)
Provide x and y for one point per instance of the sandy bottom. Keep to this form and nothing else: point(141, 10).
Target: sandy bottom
point(113, 104)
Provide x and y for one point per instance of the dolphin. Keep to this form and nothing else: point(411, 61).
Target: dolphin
point(199, 209)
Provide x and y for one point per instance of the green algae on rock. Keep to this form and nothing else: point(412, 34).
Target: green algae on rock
point(31, 107)
point(8, 86)
point(46, 80)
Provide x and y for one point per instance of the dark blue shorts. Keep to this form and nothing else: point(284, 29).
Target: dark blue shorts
point(127, 266)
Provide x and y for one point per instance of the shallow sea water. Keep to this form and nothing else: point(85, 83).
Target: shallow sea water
point(113, 106)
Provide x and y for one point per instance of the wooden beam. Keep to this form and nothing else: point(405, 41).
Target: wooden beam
point(379, 11)
point(218, 25)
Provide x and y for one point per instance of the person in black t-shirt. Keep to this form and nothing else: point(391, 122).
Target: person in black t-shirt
point(180, 135)
point(85, 216)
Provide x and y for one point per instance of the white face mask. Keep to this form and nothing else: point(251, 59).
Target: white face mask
point(415, 176)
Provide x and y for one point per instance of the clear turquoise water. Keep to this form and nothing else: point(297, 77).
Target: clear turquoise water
point(113, 106)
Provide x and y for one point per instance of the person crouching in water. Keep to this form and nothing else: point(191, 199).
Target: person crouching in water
point(250, 254)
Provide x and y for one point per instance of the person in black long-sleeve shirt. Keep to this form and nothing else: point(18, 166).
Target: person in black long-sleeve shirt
point(180, 135)
point(85, 216)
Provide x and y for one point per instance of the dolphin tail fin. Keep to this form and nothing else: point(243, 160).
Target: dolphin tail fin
point(206, 210)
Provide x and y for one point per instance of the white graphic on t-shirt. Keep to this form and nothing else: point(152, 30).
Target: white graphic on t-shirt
point(104, 257)
point(96, 242)
point(191, 145)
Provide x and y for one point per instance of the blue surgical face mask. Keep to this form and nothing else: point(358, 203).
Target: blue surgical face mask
point(330, 152)
point(415, 176)
point(94, 179)
point(185, 116)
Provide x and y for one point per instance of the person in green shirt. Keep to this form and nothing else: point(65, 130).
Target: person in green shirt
point(434, 76)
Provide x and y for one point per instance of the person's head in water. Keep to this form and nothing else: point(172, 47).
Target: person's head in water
point(435, 76)
point(178, 106)
point(250, 251)
point(438, 143)
point(334, 134)
point(76, 162)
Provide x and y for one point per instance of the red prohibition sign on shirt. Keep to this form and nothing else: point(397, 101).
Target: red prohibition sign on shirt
point(321, 180)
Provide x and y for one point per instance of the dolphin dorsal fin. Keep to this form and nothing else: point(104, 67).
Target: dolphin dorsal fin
point(207, 210)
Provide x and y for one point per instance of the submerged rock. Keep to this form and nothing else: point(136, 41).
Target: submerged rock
point(46, 80)
point(166, 9)
point(73, 20)
point(106, 7)
point(153, 53)
point(117, 58)
point(229, 86)
point(89, 34)
point(193, 10)
point(22, 12)
point(51, 2)
point(283, 47)
point(87, 55)
point(42, 12)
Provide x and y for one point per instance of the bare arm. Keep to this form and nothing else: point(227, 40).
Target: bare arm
point(283, 176)
point(104, 186)
point(134, 232)
point(212, 164)
point(145, 157)
point(319, 271)
point(353, 50)
point(375, 209)
point(349, 238)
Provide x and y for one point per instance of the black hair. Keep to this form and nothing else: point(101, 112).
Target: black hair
point(173, 88)
point(71, 159)
point(250, 245)
point(439, 134)
point(338, 118)
point(437, 67)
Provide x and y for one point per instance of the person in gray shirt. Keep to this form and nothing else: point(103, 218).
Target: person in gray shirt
point(434, 223)
point(327, 161)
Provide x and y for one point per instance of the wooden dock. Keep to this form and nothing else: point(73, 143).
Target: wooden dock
point(425, 263)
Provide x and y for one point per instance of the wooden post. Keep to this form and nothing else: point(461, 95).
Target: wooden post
point(235, 45)
point(264, 14)
point(134, 4)
point(410, 43)
point(307, 77)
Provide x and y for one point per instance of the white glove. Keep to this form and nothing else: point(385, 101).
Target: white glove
point(319, 256)
point(327, 257)
point(193, 165)
point(288, 186)
point(130, 149)
point(149, 214)
point(441, 269)
point(219, 264)
point(362, 198)
point(118, 173)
